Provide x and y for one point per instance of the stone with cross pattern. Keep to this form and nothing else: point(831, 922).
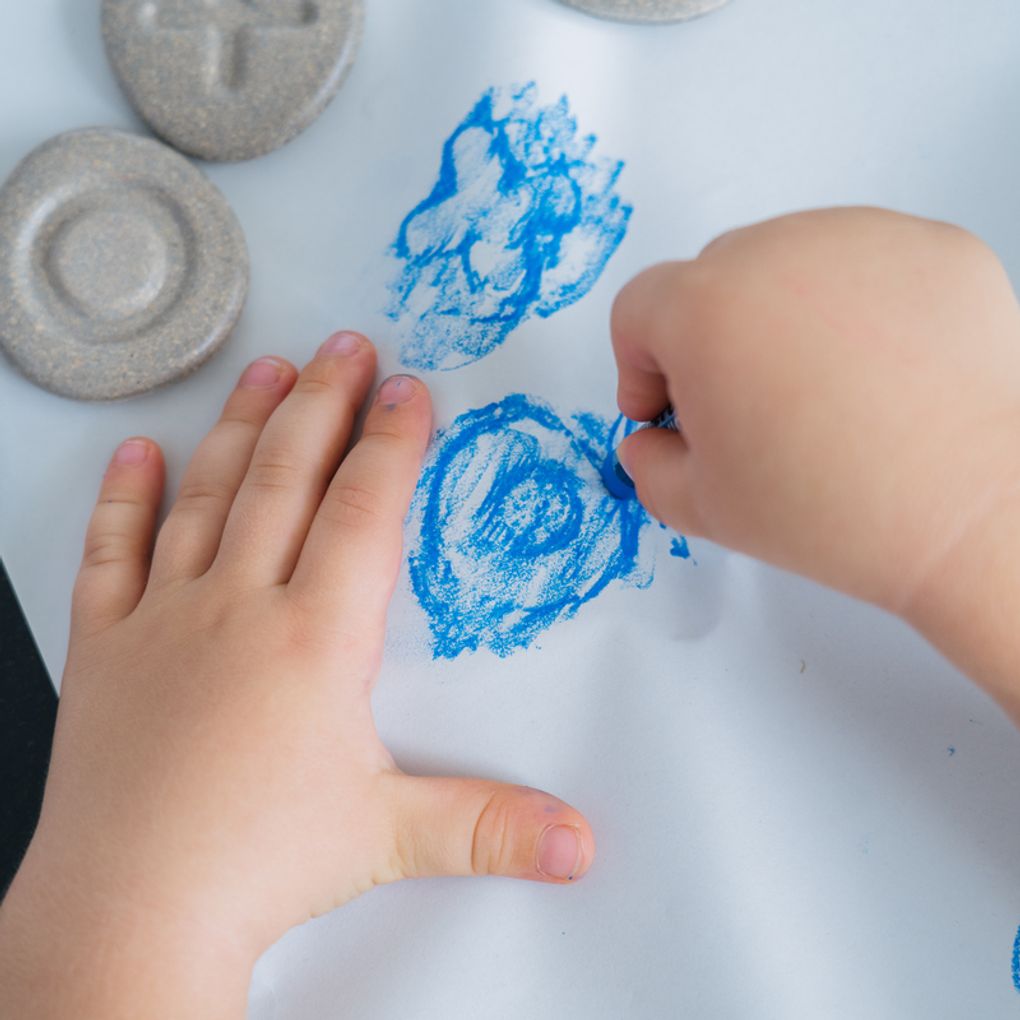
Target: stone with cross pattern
point(231, 79)
point(228, 27)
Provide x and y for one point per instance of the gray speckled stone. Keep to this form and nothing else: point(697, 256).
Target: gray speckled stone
point(647, 10)
point(231, 79)
point(121, 266)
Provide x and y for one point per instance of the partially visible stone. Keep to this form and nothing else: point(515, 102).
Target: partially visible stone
point(231, 79)
point(647, 10)
point(121, 266)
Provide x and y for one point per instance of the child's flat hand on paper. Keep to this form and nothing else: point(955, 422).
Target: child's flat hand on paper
point(848, 382)
point(216, 776)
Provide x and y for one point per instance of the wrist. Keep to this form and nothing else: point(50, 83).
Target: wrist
point(81, 944)
point(968, 606)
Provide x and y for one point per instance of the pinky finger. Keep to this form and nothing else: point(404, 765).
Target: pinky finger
point(118, 544)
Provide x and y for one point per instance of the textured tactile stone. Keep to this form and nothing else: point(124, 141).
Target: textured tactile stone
point(647, 10)
point(121, 266)
point(231, 79)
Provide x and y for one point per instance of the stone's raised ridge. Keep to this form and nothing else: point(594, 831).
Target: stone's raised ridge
point(647, 10)
point(121, 266)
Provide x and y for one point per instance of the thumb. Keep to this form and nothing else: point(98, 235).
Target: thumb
point(475, 827)
point(660, 465)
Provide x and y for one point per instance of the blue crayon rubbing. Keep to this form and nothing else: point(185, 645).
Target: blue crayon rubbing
point(1016, 961)
point(521, 222)
point(515, 530)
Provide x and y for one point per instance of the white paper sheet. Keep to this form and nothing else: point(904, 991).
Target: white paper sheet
point(801, 812)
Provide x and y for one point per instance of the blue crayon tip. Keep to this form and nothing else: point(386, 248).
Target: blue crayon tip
point(615, 479)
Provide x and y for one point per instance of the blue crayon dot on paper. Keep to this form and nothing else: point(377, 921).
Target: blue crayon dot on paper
point(515, 529)
point(521, 221)
point(679, 548)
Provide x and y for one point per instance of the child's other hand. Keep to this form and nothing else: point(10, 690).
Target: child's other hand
point(217, 777)
point(848, 382)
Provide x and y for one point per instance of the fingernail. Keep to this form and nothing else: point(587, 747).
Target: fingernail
point(559, 852)
point(261, 374)
point(131, 452)
point(341, 343)
point(398, 389)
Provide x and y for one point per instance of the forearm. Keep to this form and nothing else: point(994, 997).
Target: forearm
point(68, 950)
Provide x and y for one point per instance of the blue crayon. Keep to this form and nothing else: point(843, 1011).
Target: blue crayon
point(614, 477)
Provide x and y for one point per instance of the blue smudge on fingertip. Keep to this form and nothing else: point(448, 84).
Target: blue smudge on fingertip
point(514, 528)
point(521, 221)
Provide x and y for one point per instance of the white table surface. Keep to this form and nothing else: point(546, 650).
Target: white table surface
point(801, 811)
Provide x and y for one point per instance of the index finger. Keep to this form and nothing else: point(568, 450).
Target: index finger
point(640, 324)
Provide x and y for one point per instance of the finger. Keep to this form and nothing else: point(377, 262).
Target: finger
point(641, 318)
point(115, 564)
point(475, 827)
point(190, 536)
point(293, 461)
point(662, 469)
point(356, 535)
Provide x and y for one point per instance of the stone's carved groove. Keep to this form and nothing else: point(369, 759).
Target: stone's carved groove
point(228, 26)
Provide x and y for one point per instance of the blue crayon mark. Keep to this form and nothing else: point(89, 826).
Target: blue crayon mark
point(521, 222)
point(951, 751)
point(515, 530)
point(679, 547)
point(1016, 961)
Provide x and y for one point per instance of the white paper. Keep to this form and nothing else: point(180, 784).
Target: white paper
point(800, 811)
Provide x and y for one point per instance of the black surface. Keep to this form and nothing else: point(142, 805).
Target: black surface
point(28, 710)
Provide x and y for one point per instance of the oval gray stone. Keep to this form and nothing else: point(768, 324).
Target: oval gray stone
point(647, 10)
point(121, 265)
point(230, 79)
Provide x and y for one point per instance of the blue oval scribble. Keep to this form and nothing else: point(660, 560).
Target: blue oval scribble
point(521, 221)
point(515, 530)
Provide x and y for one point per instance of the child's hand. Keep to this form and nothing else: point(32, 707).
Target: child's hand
point(217, 777)
point(848, 382)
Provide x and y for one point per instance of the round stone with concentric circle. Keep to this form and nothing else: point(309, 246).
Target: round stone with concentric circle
point(121, 266)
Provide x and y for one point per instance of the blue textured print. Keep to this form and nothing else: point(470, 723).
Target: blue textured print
point(515, 529)
point(1016, 961)
point(521, 222)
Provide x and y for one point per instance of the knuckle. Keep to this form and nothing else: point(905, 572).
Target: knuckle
point(107, 547)
point(118, 529)
point(201, 493)
point(352, 506)
point(273, 472)
point(404, 859)
point(121, 501)
point(492, 842)
point(316, 380)
point(239, 419)
point(387, 438)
